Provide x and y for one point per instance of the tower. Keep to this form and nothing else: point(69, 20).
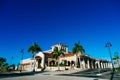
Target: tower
point(61, 46)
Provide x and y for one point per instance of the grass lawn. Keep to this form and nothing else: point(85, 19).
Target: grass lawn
point(117, 69)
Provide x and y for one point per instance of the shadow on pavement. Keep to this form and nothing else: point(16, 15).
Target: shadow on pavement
point(91, 73)
point(112, 75)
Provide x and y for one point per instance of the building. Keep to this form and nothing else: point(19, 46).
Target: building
point(43, 60)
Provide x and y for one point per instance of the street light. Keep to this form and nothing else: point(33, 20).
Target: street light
point(108, 44)
point(22, 51)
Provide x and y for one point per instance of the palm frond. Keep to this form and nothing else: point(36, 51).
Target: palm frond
point(78, 48)
point(57, 53)
point(34, 48)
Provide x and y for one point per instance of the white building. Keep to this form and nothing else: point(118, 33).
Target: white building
point(44, 60)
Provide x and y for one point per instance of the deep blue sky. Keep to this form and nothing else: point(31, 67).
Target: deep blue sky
point(93, 22)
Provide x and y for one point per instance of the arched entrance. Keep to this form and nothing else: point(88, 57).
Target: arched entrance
point(72, 64)
point(52, 63)
point(38, 59)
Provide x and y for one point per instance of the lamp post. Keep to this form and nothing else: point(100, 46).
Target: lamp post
point(22, 51)
point(108, 44)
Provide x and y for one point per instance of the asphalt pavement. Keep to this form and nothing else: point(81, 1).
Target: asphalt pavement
point(87, 74)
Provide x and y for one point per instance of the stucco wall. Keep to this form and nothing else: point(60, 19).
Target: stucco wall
point(70, 58)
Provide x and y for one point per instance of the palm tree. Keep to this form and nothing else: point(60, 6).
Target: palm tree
point(56, 54)
point(77, 49)
point(116, 58)
point(35, 48)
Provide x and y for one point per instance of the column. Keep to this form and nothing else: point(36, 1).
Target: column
point(95, 64)
point(104, 65)
point(83, 63)
point(88, 64)
point(107, 65)
point(91, 64)
point(98, 64)
point(110, 64)
point(101, 65)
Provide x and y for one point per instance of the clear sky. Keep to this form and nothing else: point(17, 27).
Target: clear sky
point(47, 22)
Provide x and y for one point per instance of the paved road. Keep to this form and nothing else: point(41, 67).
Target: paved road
point(48, 77)
point(57, 75)
point(94, 74)
point(60, 75)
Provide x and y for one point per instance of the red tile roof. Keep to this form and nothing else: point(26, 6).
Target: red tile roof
point(68, 55)
point(38, 57)
point(84, 55)
point(46, 53)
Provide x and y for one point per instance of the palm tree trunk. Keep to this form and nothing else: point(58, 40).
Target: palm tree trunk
point(21, 60)
point(79, 62)
point(34, 62)
point(58, 63)
point(76, 61)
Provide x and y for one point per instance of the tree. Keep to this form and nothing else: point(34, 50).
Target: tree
point(56, 54)
point(2, 61)
point(35, 48)
point(3, 65)
point(116, 58)
point(12, 67)
point(77, 49)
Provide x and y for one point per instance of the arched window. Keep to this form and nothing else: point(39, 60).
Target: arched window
point(52, 63)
